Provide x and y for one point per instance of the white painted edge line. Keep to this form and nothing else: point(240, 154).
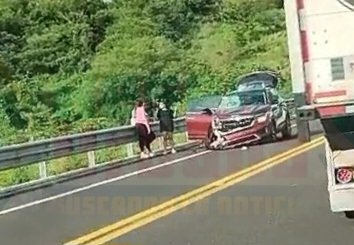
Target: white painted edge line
point(77, 173)
point(48, 199)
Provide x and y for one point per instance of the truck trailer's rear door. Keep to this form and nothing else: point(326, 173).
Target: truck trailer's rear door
point(327, 45)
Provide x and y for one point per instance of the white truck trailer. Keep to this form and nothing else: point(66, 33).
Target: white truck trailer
point(321, 51)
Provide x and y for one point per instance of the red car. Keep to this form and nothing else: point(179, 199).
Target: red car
point(252, 113)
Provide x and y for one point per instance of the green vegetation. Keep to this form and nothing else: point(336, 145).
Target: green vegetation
point(72, 66)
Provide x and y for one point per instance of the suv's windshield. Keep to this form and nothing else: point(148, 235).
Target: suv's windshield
point(196, 105)
point(243, 98)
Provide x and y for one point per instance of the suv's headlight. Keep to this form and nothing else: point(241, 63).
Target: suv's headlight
point(262, 118)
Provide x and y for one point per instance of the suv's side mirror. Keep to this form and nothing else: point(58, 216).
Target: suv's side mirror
point(207, 111)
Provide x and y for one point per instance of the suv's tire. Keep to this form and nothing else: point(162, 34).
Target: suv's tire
point(209, 139)
point(272, 136)
point(286, 132)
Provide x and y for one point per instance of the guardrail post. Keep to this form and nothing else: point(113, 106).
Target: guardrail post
point(91, 158)
point(160, 142)
point(42, 170)
point(130, 150)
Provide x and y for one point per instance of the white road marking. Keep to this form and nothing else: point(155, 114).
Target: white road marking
point(101, 183)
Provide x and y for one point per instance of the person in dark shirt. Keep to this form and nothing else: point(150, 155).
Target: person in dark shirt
point(165, 116)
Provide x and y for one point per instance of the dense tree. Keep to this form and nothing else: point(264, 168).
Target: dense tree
point(68, 65)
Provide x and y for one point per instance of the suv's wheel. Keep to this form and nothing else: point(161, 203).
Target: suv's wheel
point(210, 139)
point(272, 136)
point(286, 132)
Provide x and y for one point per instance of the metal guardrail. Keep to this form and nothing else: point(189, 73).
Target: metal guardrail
point(290, 102)
point(44, 150)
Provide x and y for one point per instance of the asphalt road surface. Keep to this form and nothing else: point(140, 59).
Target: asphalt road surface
point(285, 203)
point(272, 208)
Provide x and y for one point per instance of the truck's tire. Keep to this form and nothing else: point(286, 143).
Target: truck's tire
point(349, 214)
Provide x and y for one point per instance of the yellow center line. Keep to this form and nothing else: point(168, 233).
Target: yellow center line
point(122, 227)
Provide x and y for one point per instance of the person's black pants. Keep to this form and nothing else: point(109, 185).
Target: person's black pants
point(143, 135)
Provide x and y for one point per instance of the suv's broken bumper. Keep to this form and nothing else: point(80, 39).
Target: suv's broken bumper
point(238, 138)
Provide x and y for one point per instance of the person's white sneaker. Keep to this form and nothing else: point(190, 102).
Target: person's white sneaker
point(143, 155)
point(173, 151)
point(151, 154)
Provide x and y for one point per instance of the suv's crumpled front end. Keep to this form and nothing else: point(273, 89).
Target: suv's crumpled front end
point(237, 130)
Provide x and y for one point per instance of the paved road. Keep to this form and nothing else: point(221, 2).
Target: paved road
point(292, 197)
point(267, 209)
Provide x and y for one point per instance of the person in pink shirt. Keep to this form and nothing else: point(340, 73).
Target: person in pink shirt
point(143, 128)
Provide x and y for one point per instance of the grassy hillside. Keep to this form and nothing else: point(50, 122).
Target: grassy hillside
point(71, 66)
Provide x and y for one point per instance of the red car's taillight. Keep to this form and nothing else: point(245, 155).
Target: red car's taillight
point(344, 175)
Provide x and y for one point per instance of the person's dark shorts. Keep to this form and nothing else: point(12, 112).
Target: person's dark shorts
point(166, 127)
point(167, 135)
